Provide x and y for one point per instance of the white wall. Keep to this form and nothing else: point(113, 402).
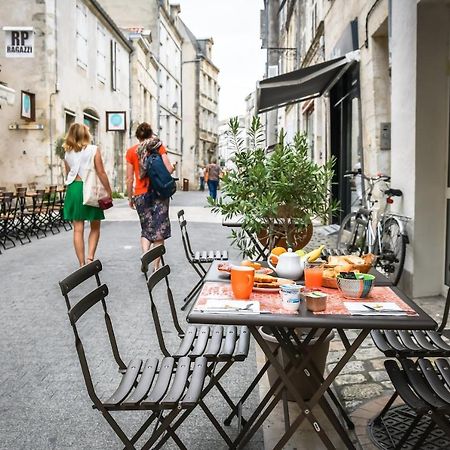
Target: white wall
point(432, 107)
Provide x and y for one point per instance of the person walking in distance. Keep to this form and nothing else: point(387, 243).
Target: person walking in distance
point(201, 177)
point(153, 214)
point(78, 157)
point(213, 173)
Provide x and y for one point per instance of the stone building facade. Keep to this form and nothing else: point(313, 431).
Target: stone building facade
point(200, 103)
point(388, 112)
point(161, 19)
point(79, 72)
point(143, 79)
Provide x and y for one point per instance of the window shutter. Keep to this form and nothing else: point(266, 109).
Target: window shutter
point(101, 53)
point(82, 34)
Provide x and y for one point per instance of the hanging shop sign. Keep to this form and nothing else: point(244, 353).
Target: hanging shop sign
point(116, 121)
point(19, 42)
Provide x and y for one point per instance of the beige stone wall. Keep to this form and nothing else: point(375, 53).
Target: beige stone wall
point(374, 71)
point(144, 86)
point(189, 69)
point(28, 156)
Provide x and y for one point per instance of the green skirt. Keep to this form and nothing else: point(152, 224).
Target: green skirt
point(73, 205)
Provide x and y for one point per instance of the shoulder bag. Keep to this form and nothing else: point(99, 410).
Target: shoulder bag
point(94, 193)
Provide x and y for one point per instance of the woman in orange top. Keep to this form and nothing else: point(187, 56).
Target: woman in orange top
point(154, 215)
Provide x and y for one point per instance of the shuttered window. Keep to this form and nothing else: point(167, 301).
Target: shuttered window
point(82, 35)
point(102, 46)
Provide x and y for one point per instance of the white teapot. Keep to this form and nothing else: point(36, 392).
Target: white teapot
point(290, 265)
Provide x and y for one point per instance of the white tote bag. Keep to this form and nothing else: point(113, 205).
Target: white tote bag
point(93, 189)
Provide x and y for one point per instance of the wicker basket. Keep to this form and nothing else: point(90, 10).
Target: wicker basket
point(363, 268)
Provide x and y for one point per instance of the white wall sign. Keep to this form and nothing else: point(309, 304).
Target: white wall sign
point(19, 42)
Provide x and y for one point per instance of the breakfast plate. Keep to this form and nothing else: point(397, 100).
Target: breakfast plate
point(266, 289)
point(225, 268)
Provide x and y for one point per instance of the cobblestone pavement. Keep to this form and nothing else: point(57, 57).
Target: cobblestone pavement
point(43, 402)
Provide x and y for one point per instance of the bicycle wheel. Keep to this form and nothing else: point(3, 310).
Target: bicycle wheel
point(352, 235)
point(391, 257)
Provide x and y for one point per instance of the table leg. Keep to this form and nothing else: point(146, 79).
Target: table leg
point(304, 407)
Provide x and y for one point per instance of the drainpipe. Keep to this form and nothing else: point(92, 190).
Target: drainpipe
point(50, 103)
point(272, 7)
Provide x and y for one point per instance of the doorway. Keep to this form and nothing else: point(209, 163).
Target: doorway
point(345, 139)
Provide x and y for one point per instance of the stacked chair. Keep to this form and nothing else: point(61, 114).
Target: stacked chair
point(199, 260)
point(422, 384)
point(168, 388)
point(220, 345)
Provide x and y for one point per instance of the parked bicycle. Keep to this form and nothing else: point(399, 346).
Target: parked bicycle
point(385, 236)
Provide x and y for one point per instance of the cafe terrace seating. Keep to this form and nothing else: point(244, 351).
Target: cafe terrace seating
point(220, 345)
point(164, 387)
point(197, 259)
point(26, 213)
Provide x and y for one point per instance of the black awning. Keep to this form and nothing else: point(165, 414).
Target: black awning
point(299, 85)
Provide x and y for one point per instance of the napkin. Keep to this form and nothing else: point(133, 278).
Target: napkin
point(230, 306)
point(374, 309)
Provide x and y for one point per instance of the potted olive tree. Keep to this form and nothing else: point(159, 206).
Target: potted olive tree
point(279, 193)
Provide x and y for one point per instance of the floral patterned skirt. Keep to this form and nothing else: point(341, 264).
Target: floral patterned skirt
point(154, 217)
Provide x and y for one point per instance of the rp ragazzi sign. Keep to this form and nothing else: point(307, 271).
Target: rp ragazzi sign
point(19, 42)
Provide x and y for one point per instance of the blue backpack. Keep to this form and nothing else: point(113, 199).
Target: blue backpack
point(162, 184)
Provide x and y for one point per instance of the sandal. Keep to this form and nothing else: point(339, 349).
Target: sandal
point(89, 260)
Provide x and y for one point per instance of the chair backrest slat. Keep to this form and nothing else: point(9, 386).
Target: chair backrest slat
point(148, 257)
point(87, 302)
point(79, 276)
point(157, 276)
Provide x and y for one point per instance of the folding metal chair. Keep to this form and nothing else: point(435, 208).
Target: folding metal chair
point(166, 388)
point(412, 344)
point(197, 259)
point(8, 211)
point(217, 344)
point(426, 390)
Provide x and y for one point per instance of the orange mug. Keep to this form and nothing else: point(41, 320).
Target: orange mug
point(242, 278)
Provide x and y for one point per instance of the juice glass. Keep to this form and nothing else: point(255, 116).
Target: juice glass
point(313, 277)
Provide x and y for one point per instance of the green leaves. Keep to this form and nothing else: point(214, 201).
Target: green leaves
point(283, 190)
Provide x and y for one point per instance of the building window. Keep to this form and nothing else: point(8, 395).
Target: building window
point(101, 53)
point(90, 119)
point(113, 65)
point(69, 119)
point(82, 35)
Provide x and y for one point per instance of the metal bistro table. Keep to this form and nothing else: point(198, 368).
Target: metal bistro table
point(282, 327)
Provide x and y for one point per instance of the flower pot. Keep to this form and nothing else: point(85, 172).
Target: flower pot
point(299, 379)
point(299, 238)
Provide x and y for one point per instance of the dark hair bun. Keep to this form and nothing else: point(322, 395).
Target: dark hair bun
point(144, 131)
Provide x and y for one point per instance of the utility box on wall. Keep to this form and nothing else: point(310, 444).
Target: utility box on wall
point(385, 136)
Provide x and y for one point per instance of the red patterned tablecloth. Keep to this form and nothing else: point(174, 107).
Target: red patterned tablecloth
point(335, 300)
point(268, 302)
point(271, 301)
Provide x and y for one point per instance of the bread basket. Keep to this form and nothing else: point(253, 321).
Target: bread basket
point(329, 282)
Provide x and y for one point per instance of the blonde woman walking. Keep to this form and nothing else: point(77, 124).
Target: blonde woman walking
point(77, 159)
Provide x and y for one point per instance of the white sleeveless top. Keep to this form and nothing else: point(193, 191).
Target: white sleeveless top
point(78, 162)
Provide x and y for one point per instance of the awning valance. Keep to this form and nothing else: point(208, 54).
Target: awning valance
point(7, 95)
point(302, 84)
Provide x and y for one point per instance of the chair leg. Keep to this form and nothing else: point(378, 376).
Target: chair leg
point(115, 426)
point(387, 406)
point(165, 423)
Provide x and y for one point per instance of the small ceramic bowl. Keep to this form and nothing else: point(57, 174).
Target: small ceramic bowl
point(316, 301)
point(359, 288)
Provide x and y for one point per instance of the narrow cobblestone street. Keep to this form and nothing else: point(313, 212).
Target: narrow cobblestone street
point(44, 403)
